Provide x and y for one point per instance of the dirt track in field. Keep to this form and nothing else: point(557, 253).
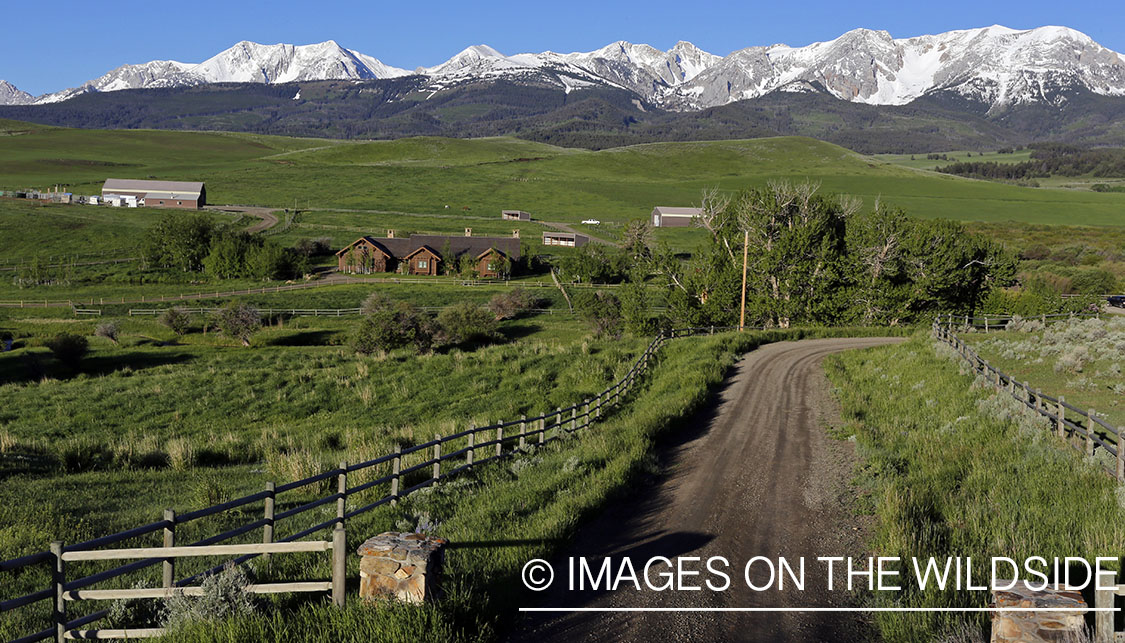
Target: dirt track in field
point(267, 216)
point(756, 476)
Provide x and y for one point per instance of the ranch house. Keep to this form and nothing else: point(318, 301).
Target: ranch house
point(424, 254)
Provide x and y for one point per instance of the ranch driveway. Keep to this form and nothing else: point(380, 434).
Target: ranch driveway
point(755, 476)
point(266, 215)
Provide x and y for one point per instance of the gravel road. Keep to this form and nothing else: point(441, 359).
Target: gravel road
point(756, 475)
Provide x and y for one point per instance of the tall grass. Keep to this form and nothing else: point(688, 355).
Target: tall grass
point(501, 515)
point(953, 468)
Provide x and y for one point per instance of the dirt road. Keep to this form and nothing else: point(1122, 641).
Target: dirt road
point(756, 476)
point(267, 216)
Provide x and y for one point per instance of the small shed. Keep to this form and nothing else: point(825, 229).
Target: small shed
point(666, 217)
point(565, 239)
point(515, 215)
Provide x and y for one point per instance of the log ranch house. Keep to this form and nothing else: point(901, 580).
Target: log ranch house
point(423, 254)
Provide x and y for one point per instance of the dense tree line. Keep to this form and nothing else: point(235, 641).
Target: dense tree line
point(1047, 159)
point(195, 243)
point(816, 259)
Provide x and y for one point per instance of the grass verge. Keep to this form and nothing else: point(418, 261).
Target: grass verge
point(953, 469)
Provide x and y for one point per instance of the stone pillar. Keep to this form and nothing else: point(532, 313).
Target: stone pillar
point(1030, 627)
point(402, 566)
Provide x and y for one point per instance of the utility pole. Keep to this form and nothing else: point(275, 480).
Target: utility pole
point(745, 256)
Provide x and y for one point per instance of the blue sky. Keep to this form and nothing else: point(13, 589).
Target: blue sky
point(50, 45)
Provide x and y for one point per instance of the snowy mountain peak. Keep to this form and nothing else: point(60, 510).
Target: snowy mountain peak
point(12, 95)
point(994, 65)
point(244, 62)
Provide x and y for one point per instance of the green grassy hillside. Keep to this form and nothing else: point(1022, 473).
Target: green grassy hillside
point(424, 175)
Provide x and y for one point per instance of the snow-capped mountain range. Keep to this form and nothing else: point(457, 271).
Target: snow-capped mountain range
point(994, 65)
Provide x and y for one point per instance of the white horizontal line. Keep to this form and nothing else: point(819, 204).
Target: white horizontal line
point(816, 609)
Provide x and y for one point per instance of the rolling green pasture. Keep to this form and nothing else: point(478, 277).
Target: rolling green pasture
point(424, 175)
point(31, 229)
point(920, 162)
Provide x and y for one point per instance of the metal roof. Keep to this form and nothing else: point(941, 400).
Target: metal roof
point(194, 188)
point(171, 196)
point(666, 211)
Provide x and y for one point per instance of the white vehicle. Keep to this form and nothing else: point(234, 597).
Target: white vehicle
point(591, 222)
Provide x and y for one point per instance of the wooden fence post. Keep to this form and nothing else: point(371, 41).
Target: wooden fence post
point(396, 466)
point(58, 579)
point(437, 458)
point(558, 420)
point(339, 565)
point(342, 491)
point(1103, 620)
point(1090, 444)
point(168, 574)
point(472, 442)
point(1039, 400)
point(523, 431)
point(586, 413)
point(267, 530)
point(1061, 412)
point(499, 441)
point(986, 323)
point(574, 418)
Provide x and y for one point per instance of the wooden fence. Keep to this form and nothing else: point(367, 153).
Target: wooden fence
point(411, 468)
point(331, 281)
point(1083, 429)
point(314, 312)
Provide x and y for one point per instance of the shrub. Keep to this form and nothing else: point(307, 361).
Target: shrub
point(239, 321)
point(313, 247)
point(512, 304)
point(465, 322)
point(133, 612)
point(68, 348)
point(107, 330)
point(602, 310)
point(1094, 282)
point(176, 319)
point(224, 597)
point(387, 324)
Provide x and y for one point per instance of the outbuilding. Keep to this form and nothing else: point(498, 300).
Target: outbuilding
point(159, 194)
point(515, 215)
point(668, 217)
point(565, 239)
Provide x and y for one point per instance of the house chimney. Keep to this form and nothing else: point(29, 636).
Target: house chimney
point(468, 232)
point(390, 234)
point(516, 233)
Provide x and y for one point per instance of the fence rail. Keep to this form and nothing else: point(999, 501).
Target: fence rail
point(496, 441)
point(1083, 430)
point(331, 281)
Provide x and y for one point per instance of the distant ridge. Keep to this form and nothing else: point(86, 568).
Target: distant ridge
point(995, 67)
